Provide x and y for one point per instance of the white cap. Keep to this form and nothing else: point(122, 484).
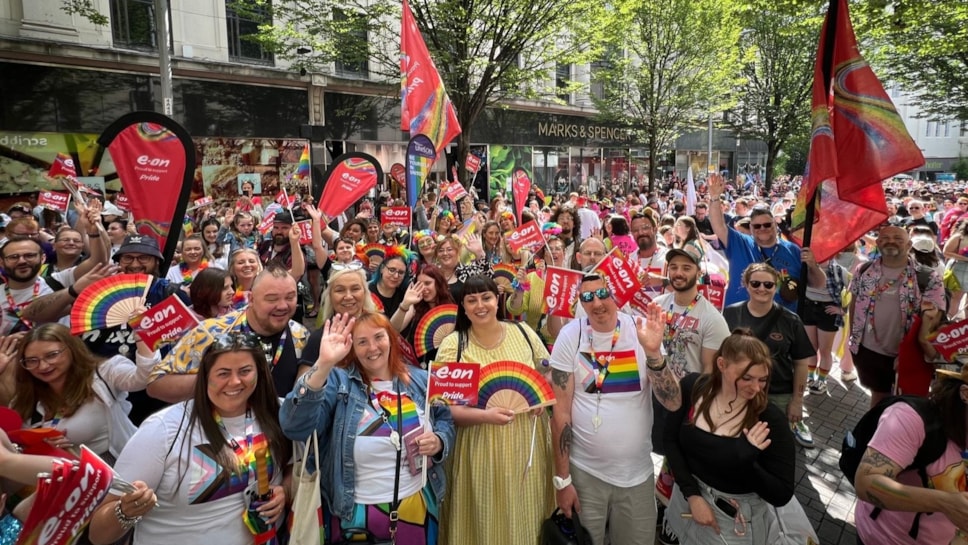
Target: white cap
point(923, 244)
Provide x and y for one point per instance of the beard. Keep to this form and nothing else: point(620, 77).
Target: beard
point(689, 284)
point(14, 275)
point(645, 243)
point(279, 240)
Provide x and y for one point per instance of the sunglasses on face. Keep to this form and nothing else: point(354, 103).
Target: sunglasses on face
point(761, 225)
point(755, 284)
point(601, 293)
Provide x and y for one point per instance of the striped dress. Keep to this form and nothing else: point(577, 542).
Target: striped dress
point(490, 499)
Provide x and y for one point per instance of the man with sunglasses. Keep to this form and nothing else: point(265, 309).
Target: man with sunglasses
point(918, 217)
point(605, 370)
point(763, 246)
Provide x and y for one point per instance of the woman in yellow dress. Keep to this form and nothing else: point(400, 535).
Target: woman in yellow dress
point(500, 488)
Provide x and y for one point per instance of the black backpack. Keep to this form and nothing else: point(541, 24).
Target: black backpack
point(856, 441)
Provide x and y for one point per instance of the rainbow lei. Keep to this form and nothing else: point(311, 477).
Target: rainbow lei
point(187, 275)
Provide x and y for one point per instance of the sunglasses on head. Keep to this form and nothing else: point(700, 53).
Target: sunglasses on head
point(757, 283)
point(601, 293)
point(351, 266)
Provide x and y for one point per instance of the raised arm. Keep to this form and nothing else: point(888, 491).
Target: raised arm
point(665, 386)
point(298, 257)
point(716, 216)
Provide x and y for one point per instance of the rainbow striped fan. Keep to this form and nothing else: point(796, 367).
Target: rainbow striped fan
point(433, 327)
point(377, 302)
point(109, 302)
point(374, 249)
point(514, 386)
point(503, 274)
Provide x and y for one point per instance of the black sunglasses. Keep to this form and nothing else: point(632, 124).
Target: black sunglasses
point(235, 341)
point(757, 283)
point(601, 293)
point(761, 225)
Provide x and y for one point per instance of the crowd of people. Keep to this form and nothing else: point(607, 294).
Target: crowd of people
point(297, 339)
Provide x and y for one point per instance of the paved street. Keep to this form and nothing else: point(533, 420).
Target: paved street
point(826, 496)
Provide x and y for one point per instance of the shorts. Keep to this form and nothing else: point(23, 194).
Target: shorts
point(875, 370)
point(815, 314)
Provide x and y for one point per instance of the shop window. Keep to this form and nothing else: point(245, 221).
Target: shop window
point(354, 51)
point(241, 30)
point(597, 88)
point(133, 24)
point(562, 79)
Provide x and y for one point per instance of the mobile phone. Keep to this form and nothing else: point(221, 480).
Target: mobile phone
point(726, 507)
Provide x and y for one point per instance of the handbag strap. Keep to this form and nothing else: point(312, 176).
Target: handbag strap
point(395, 506)
point(312, 446)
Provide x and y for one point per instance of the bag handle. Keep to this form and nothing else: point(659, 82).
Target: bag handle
point(579, 529)
point(312, 445)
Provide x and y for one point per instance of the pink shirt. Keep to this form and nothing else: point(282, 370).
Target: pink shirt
point(900, 432)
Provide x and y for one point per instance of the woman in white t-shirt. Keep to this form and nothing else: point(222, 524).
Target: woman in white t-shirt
point(61, 385)
point(197, 466)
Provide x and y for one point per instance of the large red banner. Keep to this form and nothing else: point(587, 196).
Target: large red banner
point(349, 178)
point(561, 291)
point(152, 155)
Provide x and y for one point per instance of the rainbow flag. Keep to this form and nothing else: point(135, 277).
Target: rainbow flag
point(622, 375)
point(858, 140)
point(425, 107)
point(303, 170)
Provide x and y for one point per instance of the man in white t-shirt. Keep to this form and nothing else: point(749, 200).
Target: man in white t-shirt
point(590, 222)
point(605, 370)
point(651, 256)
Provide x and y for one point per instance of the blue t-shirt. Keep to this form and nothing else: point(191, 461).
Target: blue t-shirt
point(742, 250)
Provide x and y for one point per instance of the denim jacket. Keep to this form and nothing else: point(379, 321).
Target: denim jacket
point(335, 412)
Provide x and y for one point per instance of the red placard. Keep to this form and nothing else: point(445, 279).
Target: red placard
point(164, 322)
point(951, 339)
point(284, 199)
point(122, 202)
point(715, 291)
point(620, 276)
point(398, 172)
point(473, 163)
point(528, 235)
point(455, 191)
point(63, 165)
point(266, 224)
point(204, 201)
point(561, 291)
point(54, 200)
point(454, 383)
point(395, 215)
point(305, 232)
point(640, 301)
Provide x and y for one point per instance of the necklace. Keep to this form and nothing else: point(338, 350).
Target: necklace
point(878, 290)
point(601, 363)
point(492, 346)
point(16, 309)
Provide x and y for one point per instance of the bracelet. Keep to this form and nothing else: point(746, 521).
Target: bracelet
point(125, 521)
point(650, 361)
point(72, 292)
point(95, 235)
point(403, 309)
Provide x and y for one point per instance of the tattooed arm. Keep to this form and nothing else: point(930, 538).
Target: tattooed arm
point(665, 388)
point(876, 484)
point(563, 385)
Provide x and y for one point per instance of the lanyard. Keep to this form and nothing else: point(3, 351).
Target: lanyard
point(16, 309)
point(673, 323)
point(267, 348)
point(244, 456)
point(601, 361)
point(876, 293)
point(386, 414)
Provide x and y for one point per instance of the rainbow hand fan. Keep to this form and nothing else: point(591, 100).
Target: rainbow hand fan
point(515, 386)
point(433, 327)
point(109, 302)
point(377, 302)
point(374, 249)
point(503, 274)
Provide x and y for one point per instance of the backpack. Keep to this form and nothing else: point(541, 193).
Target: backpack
point(935, 442)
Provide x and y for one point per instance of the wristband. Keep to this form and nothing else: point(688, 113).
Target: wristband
point(125, 521)
point(650, 361)
point(72, 292)
point(403, 309)
point(95, 235)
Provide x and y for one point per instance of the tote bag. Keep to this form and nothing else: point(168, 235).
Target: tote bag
point(307, 505)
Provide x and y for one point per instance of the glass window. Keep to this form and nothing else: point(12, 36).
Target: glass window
point(133, 24)
point(353, 54)
point(597, 88)
point(241, 30)
point(562, 78)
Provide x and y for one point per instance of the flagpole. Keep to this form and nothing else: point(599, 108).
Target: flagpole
point(828, 40)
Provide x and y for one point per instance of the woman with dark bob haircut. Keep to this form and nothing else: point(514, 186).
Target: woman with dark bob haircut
point(196, 466)
point(211, 293)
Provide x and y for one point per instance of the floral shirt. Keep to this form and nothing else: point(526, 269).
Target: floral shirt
point(865, 285)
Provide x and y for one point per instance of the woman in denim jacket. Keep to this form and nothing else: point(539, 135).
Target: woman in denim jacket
point(350, 399)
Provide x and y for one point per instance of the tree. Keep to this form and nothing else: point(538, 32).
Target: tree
point(670, 64)
point(923, 46)
point(778, 48)
point(486, 52)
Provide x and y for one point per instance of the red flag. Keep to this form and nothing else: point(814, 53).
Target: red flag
point(425, 107)
point(858, 140)
point(63, 165)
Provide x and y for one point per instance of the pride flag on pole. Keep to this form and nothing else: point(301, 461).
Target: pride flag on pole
point(858, 140)
point(302, 170)
point(425, 107)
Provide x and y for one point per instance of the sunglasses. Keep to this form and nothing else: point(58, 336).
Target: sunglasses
point(601, 293)
point(235, 341)
point(761, 225)
point(351, 266)
point(755, 284)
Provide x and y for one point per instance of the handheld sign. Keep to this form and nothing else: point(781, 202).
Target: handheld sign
point(395, 215)
point(164, 322)
point(951, 340)
point(454, 383)
point(526, 236)
point(561, 291)
point(57, 201)
point(620, 276)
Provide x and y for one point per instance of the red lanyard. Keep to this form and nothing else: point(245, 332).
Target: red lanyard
point(16, 309)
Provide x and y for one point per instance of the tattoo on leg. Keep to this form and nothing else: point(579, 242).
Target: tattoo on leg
point(564, 442)
point(560, 378)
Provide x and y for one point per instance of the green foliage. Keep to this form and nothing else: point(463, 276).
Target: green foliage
point(923, 46)
point(86, 9)
point(960, 168)
point(669, 63)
